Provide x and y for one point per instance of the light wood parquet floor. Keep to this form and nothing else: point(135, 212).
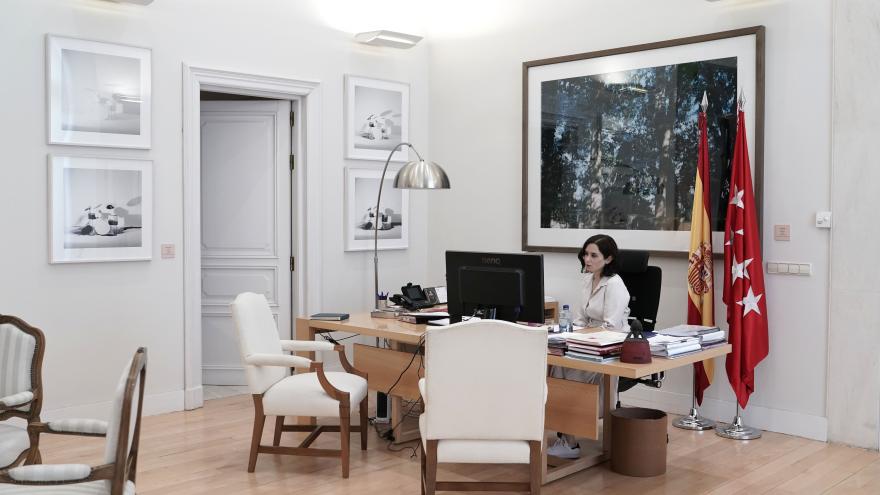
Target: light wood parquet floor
point(204, 452)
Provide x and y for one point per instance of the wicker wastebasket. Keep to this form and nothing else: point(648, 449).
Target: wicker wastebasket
point(638, 441)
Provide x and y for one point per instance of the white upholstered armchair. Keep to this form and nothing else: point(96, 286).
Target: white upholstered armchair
point(278, 393)
point(116, 476)
point(484, 389)
point(21, 392)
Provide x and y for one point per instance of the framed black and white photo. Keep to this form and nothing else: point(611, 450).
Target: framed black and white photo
point(101, 209)
point(376, 118)
point(361, 190)
point(610, 139)
point(99, 93)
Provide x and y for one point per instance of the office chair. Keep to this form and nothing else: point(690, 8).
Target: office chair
point(116, 475)
point(21, 390)
point(643, 283)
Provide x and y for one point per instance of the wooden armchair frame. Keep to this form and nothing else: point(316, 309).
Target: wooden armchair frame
point(31, 455)
point(344, 428)
point(124, 466)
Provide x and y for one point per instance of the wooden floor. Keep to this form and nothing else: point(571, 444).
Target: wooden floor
point(205, 452)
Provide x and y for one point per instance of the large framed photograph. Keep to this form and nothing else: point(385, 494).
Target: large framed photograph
point(610, 139)
point(376, 118)
point(361, 191)
point(99, 93)
point(101, 209)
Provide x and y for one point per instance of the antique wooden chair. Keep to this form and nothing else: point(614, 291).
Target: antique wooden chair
point(117, 475)
point(21, 391)
point(278, 393)
point(484, 390)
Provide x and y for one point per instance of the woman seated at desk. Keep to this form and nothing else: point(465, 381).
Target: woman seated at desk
point(605, 304)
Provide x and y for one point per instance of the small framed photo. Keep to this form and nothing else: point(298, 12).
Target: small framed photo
point(376, 118)
point(99, 93)
point(361, 217)
point(101, 209)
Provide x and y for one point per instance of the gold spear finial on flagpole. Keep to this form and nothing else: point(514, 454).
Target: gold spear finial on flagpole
point(705, 103)
point(742, 99)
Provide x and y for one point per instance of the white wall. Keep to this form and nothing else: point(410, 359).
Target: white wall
point(854, 367)
point(95, 315)
point(475, 118)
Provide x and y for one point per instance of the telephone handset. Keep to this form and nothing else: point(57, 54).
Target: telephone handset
point(412, 297)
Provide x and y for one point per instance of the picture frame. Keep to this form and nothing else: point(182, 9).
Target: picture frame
point(100, 208)
point(98, 94)
point(361, 190)
point(609, 139)
point(376, 118)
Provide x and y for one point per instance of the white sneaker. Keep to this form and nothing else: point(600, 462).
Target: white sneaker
point(561, 449)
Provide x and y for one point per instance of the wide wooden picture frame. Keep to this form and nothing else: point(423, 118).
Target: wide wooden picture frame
point(610, 139)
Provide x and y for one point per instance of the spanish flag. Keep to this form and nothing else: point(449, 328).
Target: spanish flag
point(701, 289)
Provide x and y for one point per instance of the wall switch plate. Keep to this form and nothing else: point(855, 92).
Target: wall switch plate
point(823, 219)
point(786, 268)
point(167, 251)
point(782, 232)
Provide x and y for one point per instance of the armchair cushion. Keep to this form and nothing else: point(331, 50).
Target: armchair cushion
point(423, 391)
point(13, 441)
point(16, 359)
point(80, 426)
point(284, 360)
point(51, 472)
point(18, 399)
point(301, 394)
point(306, 345)
point(91, 488)
point(479, 451)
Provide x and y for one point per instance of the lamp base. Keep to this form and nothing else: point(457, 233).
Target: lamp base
point(384, 313)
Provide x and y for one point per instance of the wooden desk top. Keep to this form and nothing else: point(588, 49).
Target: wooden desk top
point(410, 333)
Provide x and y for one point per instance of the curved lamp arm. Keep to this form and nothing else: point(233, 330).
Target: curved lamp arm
point(376, 222)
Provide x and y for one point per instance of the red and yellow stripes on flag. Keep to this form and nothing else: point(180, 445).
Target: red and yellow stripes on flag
point(701, 289)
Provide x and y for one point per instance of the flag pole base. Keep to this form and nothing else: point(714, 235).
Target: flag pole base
point(736, 430)
point(693, 421)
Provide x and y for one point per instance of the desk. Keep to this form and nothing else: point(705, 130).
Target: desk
point(572, 407)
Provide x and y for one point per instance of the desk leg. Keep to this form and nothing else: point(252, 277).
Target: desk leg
point(607, 382)
point(305, 332)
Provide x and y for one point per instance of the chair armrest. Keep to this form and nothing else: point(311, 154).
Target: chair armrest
point(346, 365)
point(15, 401)
point(84, 427)
point(47, 473)
point(284, 360)
point(306, 345)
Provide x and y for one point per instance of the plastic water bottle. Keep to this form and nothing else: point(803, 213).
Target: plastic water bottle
point(565, 319)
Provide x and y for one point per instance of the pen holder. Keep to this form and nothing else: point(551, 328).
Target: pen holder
point(383, 303)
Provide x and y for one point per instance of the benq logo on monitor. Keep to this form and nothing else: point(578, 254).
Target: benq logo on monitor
point(490, 260)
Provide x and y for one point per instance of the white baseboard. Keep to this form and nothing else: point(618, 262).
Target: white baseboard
point(193, 398)
point(160, 403)
point(764, 418)
point(213, 374)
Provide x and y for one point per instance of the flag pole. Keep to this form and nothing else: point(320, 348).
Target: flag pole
point(736, 430)
point(694, 421)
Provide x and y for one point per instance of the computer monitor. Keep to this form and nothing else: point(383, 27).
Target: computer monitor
point(499, 286)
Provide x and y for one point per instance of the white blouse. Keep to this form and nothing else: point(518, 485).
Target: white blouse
point(606, 306)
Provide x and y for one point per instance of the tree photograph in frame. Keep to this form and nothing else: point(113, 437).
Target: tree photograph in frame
point(99, 93)
point(610, 139)
point(101, 209)
point(376, 118)
point(361, 190)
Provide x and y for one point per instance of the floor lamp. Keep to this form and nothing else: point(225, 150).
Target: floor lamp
point(418, 174)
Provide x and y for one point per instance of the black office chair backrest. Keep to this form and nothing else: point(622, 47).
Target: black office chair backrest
point(643, 283)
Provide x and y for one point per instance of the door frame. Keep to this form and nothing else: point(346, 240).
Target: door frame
point(305, 96)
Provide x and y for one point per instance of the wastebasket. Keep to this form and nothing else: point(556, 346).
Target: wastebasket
point(638, 441)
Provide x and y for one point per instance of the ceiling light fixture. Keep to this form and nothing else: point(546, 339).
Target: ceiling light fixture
point(388, 38)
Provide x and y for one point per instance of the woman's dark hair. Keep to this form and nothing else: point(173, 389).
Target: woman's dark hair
point(607, 247)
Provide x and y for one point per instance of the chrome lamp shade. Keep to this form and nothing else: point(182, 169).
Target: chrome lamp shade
point(421, 174)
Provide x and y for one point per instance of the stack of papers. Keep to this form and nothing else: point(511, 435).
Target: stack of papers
point(556, 344)
point(598, 347)
point(669, 347)
point(712, 339)
point(709, 336)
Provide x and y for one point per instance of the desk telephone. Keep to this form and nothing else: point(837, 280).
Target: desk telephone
point(414, 297)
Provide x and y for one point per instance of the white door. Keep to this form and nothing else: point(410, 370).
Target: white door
point(246, 223)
